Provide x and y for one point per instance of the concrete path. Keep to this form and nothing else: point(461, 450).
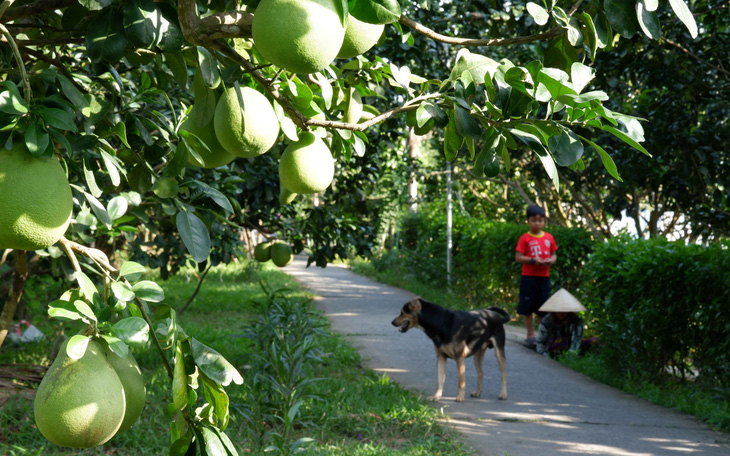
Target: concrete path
point(551, 410)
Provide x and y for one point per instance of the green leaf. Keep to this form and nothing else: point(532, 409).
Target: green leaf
point(122, 292)
point(84, 310)
point(91, 182)
point(171, 37)
point(208, 68)
point(452, 139)
point(36, 139)
point(63, 310)
point(110, 163)
point(87, 287)
point(99, 210)
point(76, 346)
point(216, 396)
point(194, 235)
point(589, 33)
point(58, 118)
point(179, 379)
point(375, 11)
point(477, 65)
point(622, 16)
point(142, 23)
point(560, 53)
point(116, 345)
point(131, 270)
point(72, 93)
point(149, 291)
point(214, 365)
point(581, 75)
point(685, 15)
point(648, 21)
point(166, 187)
point(132, 330)
point(625, 138)
point(608, 162)
point(539, 14)
point(566, 148)
point(466, 125)
point(105, 39)
point(11, 101)
point(211, 443)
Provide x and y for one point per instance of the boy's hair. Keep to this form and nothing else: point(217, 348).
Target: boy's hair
point(535, 210)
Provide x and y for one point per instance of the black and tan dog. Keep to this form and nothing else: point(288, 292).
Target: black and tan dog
point(458, 335)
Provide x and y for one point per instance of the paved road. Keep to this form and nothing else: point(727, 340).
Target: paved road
point(551, 410)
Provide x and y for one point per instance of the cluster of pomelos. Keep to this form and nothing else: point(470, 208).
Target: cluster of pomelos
point(279, 252)
point(300, 36)
point(84, 402)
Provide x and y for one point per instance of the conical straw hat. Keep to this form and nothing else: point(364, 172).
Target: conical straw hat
point(562, 301)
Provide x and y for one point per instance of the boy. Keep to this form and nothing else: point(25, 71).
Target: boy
point(536, 252)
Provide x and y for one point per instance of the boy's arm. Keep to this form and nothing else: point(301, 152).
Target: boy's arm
point(522, 258)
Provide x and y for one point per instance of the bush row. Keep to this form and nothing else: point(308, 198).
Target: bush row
point(656, 305)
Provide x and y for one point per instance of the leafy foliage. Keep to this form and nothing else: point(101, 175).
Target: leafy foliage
point(659, 304)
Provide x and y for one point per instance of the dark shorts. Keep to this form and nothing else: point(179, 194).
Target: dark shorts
point(534, 291)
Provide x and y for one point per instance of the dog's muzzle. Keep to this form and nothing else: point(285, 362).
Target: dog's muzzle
point(402, 327)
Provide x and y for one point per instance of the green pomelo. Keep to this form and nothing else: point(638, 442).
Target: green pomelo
point(35, 200)
point(218, 155)
point(247, 132)
point(306, 166)
point(80, 402)
point(262, 252)
point(281, 254)
point(135, 393)
point(301, 36)
point(359, 37)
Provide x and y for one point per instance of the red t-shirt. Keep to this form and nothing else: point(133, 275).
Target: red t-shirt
point(533, 246)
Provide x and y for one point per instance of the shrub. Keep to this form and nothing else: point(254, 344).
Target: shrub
point(659, 304)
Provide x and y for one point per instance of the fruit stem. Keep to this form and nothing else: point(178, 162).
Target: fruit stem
point(16, 52)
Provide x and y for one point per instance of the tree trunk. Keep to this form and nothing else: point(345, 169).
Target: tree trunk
point(16, 292)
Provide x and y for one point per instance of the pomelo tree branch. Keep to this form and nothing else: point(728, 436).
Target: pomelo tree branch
point(101, 260)
point(427, 32)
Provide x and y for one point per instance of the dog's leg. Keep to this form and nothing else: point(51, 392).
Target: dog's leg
point(478, 361)
point(461, 368)
point(441, 376)
point(499, 354)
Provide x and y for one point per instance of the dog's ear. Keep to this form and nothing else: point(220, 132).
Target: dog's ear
point(415, 304)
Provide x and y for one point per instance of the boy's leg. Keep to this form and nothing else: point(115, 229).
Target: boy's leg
point(529, 326)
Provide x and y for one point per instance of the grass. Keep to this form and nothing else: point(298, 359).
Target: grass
point(346, 410)
point(709, 405)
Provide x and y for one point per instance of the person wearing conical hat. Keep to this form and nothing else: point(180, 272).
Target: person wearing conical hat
point(561, 329)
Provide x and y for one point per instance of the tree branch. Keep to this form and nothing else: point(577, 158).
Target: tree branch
point(37, 7)
point(425, 31)
point(16, 292)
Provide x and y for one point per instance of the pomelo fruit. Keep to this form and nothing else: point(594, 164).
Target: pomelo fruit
point(135, 392)
point(359, 37)
point(281, 254)
point(301, 36)
point(218, 155)
point(262, 252)
point(249, 132)
point(80, 402)
point(35, 200)
point(306, 166)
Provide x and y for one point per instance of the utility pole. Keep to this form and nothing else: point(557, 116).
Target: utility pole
point(449, 223)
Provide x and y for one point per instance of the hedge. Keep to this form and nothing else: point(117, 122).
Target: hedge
point(661, 305)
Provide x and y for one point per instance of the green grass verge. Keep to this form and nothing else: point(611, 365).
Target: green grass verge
point(709, 405)
point(351, 410)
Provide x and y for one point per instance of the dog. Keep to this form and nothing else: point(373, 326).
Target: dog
point(458, 335)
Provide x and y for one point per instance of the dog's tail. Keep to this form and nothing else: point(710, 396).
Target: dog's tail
point(505, 316)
